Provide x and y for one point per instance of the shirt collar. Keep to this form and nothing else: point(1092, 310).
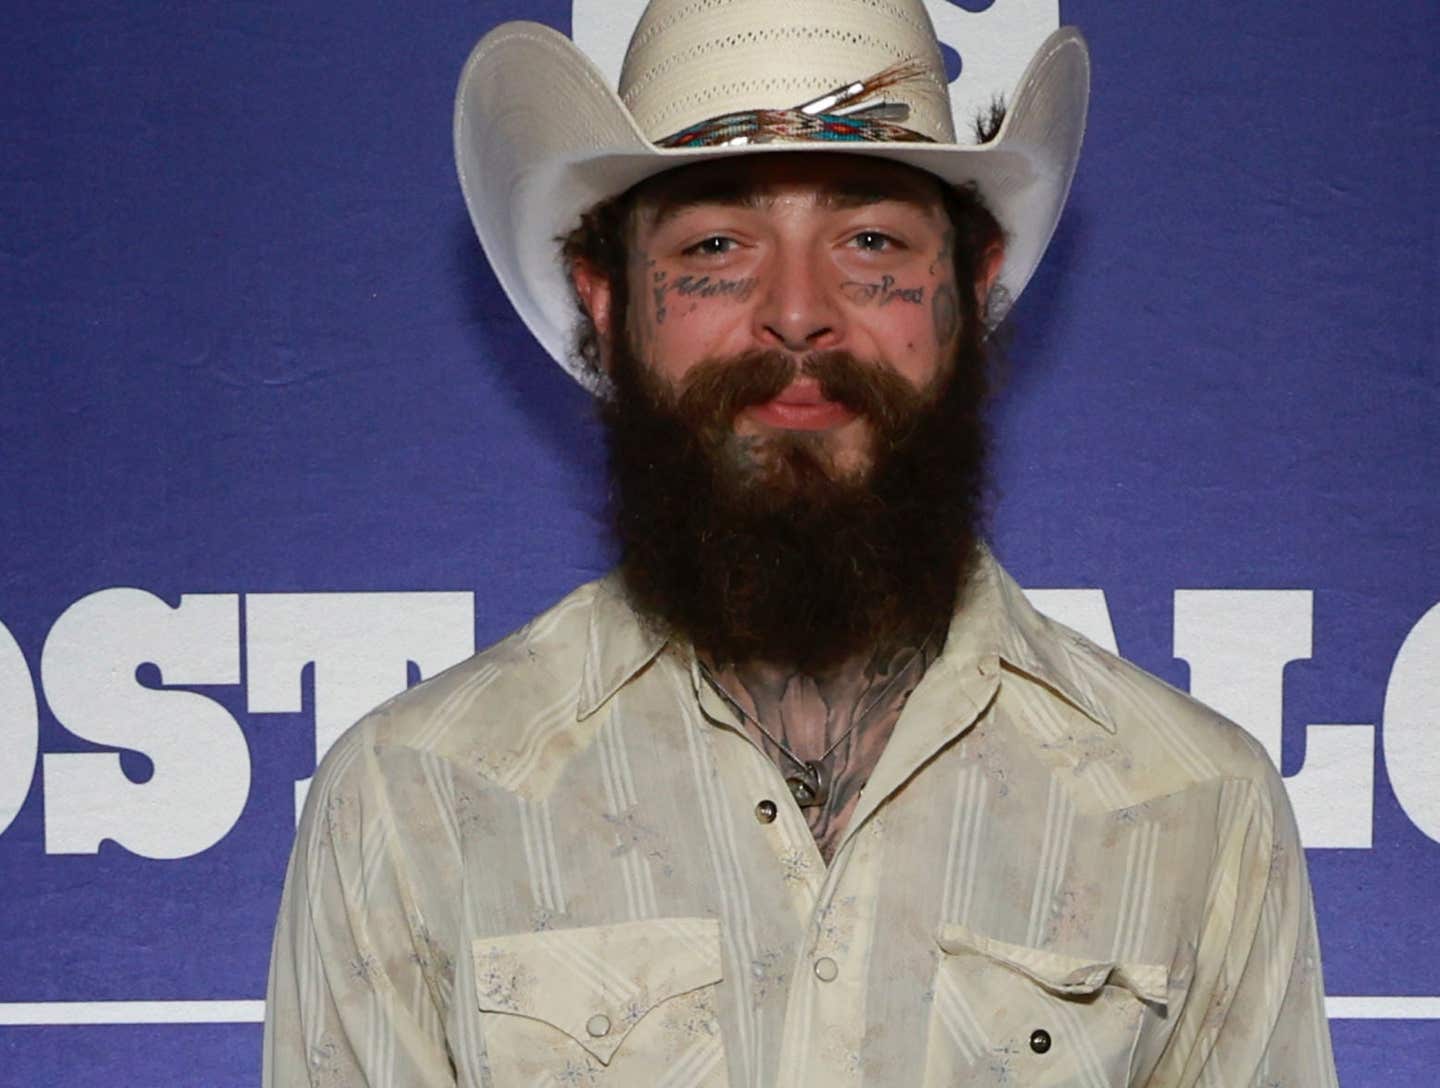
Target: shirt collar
point(994, 620)
point(621, 643)
point(994, 617)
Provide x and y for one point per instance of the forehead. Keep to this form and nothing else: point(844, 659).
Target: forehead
point(758, 181)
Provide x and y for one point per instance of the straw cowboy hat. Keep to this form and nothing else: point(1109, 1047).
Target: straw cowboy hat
point(540, 137)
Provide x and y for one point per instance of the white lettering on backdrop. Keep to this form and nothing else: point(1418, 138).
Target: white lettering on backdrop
point(19, 728)
point(361, 646)
point(1238, 643)
point(1412, 724)
point(366, 647)
point(201, 764)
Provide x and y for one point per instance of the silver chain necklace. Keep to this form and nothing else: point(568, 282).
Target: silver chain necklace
point(810, 784)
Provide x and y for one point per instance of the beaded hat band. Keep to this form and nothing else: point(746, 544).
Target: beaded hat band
point(843, 115)
point(779, 126)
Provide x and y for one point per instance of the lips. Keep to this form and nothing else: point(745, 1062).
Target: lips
point(801, 407)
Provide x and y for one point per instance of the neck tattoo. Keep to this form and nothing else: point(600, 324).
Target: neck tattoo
point(809, 780)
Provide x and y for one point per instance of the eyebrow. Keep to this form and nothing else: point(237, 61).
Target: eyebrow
point(734, 192)
point(858, 195)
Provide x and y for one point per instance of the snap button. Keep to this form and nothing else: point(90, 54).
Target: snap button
point(826, 969)
point(598, 1025)
point(765, 812)
point(1040, 1040)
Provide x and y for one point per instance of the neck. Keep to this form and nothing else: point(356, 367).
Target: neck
point(840, 718)
point(791, 697)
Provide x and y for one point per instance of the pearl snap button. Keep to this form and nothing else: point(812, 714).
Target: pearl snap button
point(1040, 1040)
point(598, 1025)
point(765, 812)
point(826, 969)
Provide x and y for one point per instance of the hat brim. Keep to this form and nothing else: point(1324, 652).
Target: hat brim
point(540, 137)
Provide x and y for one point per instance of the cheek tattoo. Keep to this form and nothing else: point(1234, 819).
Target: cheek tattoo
point(696, 287)
point(658, 285)
point(944, 308)
point(882, 293)
point(945, 313)
point(705, 287)
point(947, 251)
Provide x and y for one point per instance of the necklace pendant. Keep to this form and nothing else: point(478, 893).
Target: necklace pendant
point(808, 785)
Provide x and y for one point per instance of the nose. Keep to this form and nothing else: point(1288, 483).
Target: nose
point(798, 310)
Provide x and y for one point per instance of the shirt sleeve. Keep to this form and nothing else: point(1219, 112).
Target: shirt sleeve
point(349, 1001)
point(1256, 1015)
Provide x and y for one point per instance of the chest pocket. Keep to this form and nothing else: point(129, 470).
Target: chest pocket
point(625, 1004)
point(1010, 1014)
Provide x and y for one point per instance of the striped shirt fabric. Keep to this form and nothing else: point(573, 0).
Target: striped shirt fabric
point(553, 865)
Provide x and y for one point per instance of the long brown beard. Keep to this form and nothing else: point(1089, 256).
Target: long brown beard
point(761, 551)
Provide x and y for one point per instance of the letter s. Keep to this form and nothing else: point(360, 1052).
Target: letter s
point(202, 763)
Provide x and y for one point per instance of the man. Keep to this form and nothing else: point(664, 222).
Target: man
point(805, 793)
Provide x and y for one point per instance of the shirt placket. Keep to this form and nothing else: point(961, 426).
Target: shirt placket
point(826, 1021)
point(836, 905)
point(759, 784)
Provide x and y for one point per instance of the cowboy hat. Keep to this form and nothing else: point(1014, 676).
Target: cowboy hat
point(540, 137)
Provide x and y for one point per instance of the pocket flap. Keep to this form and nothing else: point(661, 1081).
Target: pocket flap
point(1058, 972)
point(596, 983)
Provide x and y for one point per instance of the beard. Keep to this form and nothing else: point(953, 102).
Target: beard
point(761, 549)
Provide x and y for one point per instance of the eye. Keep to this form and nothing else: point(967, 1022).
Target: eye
point(873, 241)
point(716, 245)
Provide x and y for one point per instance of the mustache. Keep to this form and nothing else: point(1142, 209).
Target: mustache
point(717, 390)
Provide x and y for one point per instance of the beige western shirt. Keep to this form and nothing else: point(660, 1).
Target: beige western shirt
point(555, 865)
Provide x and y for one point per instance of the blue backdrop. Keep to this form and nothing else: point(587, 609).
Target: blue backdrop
point(273, 444)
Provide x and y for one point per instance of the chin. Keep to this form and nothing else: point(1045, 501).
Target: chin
point(779, 469)
point(845, 455)
point(852, 465)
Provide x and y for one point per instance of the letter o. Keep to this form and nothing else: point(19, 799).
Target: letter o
point(1411, 731)
point(19, 729)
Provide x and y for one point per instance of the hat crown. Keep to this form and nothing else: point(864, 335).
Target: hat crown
point(693, 60)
